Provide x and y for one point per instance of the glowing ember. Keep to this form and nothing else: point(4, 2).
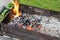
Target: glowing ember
point(29, 28)
point(16, 9)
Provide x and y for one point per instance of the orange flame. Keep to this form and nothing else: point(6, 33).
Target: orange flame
point(16, 8)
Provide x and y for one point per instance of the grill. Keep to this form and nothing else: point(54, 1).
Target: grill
point(22, 33)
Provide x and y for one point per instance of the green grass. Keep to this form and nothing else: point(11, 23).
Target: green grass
point(44, 4)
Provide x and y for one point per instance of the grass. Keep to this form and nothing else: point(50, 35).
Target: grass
point(44, 4)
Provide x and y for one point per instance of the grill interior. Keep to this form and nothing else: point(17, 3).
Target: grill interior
point(24, 34)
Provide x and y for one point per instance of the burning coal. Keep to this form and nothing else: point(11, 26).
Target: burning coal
point(37, 23)
point(26, 22)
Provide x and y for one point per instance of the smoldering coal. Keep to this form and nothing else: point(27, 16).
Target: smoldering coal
point(42, 24)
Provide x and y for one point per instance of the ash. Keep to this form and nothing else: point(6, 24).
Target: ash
point(42, 24)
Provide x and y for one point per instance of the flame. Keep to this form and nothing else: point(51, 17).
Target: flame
point(16, 8)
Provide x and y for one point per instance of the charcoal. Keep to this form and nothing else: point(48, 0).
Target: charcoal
point(13, 21)
point(48, 25)
point(16, 18)
point(16, 25)
point(27, 21)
